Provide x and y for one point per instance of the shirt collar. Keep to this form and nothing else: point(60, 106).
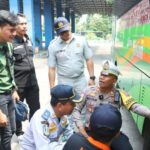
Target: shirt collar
point(20, 39)
point(62, 41)
point(2, 45)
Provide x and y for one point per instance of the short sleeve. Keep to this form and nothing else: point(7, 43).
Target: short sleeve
point(88, 53)
point(51, 56)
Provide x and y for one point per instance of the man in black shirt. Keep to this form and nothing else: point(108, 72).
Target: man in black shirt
point(24, 71)
point(105, 124)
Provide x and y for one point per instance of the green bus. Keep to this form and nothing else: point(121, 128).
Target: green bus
point(131, 52)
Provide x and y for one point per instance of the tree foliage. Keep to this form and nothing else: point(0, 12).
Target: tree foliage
point(95, 24)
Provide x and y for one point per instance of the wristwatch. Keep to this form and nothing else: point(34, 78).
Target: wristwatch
point(92, 77)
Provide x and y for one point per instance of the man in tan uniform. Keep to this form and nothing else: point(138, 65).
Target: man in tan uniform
point(105, 93)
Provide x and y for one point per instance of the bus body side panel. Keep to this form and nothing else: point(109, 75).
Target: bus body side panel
point(132, 53)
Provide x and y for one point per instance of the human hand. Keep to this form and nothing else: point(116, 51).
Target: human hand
point(3, 119)
point(15, 96)
point(83, 132)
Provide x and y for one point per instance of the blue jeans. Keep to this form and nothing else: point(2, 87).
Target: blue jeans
point(7, 107)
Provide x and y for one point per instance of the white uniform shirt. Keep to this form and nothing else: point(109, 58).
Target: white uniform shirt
point(44, 130)
point(69, 57)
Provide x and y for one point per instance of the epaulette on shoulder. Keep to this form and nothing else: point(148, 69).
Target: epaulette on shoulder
point(46, 115)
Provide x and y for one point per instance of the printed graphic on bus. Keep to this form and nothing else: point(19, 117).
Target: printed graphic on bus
point(132, 53)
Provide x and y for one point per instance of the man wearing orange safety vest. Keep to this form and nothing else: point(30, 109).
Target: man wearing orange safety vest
point(103, 128)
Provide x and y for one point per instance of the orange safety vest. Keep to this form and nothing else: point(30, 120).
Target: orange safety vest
point(98, 144)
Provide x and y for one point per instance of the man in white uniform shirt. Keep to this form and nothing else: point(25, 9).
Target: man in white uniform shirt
point(67, 54)
point(50, 122)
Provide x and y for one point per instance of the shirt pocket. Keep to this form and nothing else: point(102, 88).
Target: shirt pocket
point(78, 52)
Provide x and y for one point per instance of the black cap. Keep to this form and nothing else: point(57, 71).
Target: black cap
point(66, 93)
point(8, 17)
point(105, 120)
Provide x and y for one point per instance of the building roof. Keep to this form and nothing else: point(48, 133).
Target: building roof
point(105, 7)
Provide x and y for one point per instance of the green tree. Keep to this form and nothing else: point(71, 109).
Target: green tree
point(96, 23)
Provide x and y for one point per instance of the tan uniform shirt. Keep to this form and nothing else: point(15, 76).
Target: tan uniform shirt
point(92, 97)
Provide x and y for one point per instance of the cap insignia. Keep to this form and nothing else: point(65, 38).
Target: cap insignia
point(60, 25)
point(106, 65)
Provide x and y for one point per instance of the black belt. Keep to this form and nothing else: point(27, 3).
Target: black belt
point(72, 77)
point(6, 93)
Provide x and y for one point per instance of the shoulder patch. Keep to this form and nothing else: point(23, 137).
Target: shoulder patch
point(45, 130)
point(46, 115)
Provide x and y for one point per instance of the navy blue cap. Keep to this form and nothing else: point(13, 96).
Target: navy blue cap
point(63, 92)
point(105, 120)
point(61, 24)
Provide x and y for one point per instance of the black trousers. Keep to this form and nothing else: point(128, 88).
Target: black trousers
point(121, 143)
point(31, 95)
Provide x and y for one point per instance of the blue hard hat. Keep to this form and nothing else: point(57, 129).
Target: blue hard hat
point(21, 111)
point(61, 24)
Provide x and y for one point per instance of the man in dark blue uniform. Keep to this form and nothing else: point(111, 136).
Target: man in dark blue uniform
point(103, 128)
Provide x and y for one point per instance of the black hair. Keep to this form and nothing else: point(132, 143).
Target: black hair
point(21, 15)
point(116, 78)
point(7, 17)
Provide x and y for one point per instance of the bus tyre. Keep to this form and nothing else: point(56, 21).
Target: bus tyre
point(146, 134)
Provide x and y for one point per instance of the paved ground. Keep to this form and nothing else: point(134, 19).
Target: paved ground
point(102, 52)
